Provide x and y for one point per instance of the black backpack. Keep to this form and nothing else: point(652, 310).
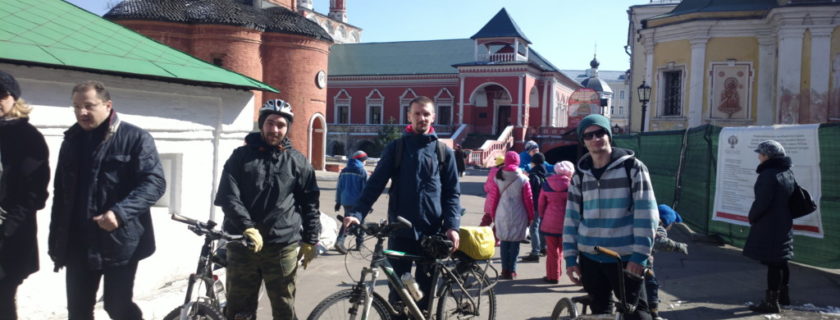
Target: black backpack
point(800, 202)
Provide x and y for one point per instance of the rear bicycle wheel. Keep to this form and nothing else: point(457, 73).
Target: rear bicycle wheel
point(342, 304)
point(198, 311)
point(564, 309)
point(478, 302)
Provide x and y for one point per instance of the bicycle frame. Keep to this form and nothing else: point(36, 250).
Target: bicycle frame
point(204, 273)
point(379, 262)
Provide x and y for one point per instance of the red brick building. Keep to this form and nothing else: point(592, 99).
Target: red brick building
point(268, 40)
point(491, 86)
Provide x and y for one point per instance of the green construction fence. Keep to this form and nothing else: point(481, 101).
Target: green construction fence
point(689, 185)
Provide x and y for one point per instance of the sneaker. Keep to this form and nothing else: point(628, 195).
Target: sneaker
point(542, 252)
point(531, 258)
point(506, 275)
point(551, 281)
point(339, 246)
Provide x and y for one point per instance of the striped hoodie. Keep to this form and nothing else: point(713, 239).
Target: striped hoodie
point(615, 216)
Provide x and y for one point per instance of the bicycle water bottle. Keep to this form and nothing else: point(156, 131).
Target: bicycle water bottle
point(413, 287)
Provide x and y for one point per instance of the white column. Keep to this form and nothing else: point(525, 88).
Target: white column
point(649, 45)
point(544, 105)
point(521, 103)
point(766, 110)
point(789, 79)
point(820, 73)
point(461, 103)
point(695, 83)
point(552, 105)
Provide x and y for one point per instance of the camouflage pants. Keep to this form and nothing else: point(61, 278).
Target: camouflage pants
point(275, 264)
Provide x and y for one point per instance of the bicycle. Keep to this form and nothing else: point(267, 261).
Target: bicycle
point(461, 287)
point(566, 309)
point(210, 305)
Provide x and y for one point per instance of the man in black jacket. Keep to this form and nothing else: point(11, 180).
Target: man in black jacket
point(268, 192)
point(108, 176)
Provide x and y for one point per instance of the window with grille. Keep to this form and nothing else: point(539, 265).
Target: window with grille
point(444, 115)
point(672, 93)
point(342, 115)
point(375, 115)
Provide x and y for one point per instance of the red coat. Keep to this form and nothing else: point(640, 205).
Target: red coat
point(552, 204)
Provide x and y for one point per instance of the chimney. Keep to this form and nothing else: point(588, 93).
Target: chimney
point(338, 11)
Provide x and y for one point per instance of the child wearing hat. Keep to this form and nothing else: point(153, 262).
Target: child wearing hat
point(667, 218)
point(351, 182)
point(490, 201)
point(552, 208)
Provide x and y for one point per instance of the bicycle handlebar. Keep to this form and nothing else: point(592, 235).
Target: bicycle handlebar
point(205, 228)
point(378, 229)
point(608, 252)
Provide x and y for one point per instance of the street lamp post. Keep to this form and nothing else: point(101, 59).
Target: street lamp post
point(644, 98)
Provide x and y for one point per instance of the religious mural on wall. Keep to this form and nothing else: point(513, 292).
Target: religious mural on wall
point(730, 90)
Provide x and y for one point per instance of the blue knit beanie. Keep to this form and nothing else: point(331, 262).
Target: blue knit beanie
point(668, 216)
point(594, 120)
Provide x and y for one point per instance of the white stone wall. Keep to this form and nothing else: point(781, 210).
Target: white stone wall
point(200, 126)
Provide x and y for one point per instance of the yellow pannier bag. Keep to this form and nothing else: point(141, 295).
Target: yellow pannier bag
point(477, 242)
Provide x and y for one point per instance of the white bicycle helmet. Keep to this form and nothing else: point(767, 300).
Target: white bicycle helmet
point(276, 106)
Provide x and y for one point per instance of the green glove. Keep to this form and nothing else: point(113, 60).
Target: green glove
point(254, 235)
point(307, 252)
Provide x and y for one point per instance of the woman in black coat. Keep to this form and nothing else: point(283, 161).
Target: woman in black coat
point(771, 224)
point(23, 191)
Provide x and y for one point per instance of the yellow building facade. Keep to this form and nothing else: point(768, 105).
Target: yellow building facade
point(735, 63)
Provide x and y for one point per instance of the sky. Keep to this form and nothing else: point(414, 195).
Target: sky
point(565, 32)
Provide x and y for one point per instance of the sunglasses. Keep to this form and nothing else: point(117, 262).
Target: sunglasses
point(599, 133)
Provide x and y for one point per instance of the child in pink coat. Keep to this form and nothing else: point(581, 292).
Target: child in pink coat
point(513, 212)
point(491, 191)
point(552, 209)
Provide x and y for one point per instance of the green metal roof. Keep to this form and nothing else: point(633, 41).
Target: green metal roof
point(58, 34)
point(411, 57)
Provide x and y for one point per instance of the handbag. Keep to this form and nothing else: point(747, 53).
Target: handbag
point(800, 202)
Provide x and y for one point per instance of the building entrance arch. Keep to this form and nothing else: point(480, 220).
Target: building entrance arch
point(497, 98)
point(317, 133)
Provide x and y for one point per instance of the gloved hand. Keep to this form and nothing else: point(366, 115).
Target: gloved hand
point(307, 252)
point(254, 235)
point(682, 248)
point(337, 206)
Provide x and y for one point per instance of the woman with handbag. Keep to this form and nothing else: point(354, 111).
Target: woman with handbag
point(770, 240)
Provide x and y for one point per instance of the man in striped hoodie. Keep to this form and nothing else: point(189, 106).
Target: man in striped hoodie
point(611, 204)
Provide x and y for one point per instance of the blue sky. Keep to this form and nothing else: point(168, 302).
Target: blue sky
point(564, 31)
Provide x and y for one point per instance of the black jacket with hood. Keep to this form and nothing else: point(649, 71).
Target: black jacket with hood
point(126, 177)
point(25, 175)
point(272, 189)
point(771, 224)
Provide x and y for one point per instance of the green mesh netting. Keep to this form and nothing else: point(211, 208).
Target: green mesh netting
point(692, 191)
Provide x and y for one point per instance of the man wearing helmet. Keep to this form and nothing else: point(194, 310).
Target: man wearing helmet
point(424, 190)
point(268, 193)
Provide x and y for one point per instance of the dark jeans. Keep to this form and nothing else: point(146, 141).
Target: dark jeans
point(509, 253)
point(652, 290)
point(8, 289)
point(82, 284)
point(342, 233)
point(422, 275)
point(778, 275)
point(537, 238)
point(600, 280)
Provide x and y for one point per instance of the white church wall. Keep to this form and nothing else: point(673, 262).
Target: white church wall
point(195, 129)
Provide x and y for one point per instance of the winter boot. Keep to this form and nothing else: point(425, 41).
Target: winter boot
point(770, 303)
point(784, 296)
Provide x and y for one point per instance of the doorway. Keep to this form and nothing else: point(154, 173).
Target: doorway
point(502, 119)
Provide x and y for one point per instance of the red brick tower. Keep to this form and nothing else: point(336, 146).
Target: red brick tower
point(275, 45)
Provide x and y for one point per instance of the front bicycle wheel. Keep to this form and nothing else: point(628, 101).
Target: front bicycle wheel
point(564, 309)
point(478, 302)
point(347, 304)
point(198, 311)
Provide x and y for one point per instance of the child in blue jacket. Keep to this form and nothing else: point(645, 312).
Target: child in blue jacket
point(351, 182)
